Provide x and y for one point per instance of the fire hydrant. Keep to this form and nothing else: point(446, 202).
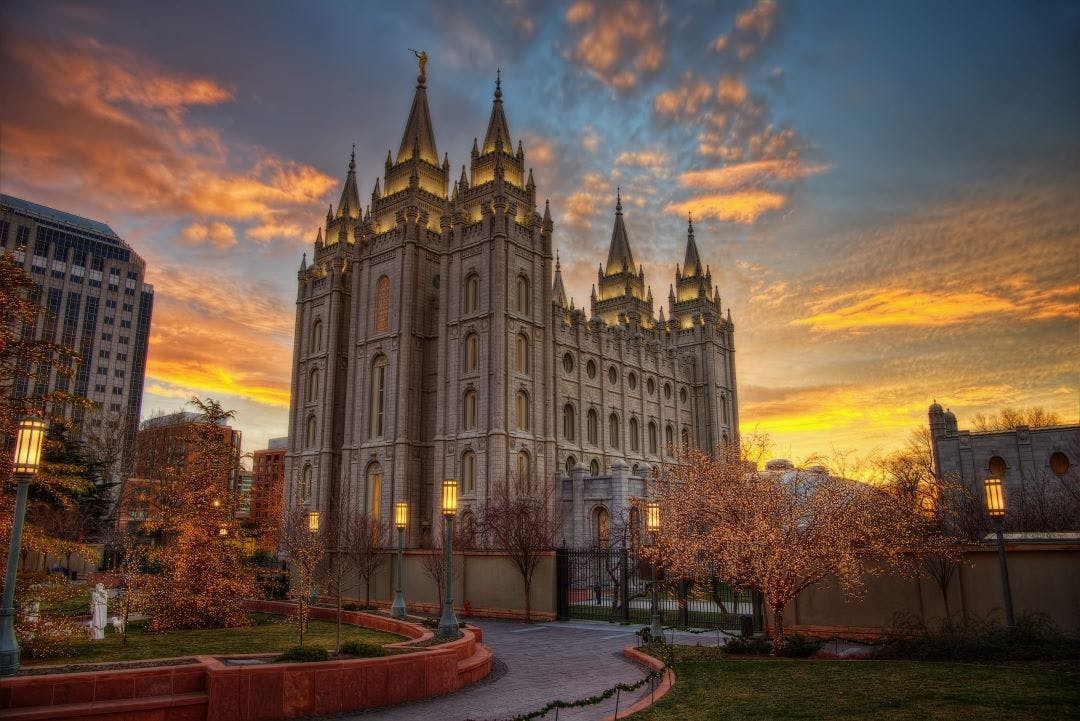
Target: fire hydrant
point(466, 608)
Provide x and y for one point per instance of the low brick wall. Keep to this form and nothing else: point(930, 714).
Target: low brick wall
point(211, 690)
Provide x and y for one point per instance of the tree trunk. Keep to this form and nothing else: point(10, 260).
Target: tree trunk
point(778, 628)
point(528, 609)
point(367, 591)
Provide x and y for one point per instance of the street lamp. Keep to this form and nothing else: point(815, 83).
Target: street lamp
point(995, 506)
point(24, 467)
point(401, 517)
point(652, 525)
point(313, 521)
point(448, 624)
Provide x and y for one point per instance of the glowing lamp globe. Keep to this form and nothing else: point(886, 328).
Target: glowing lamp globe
point(995, 497)
point(652, 517)
point(313, 521)
point(449, 497)
point(28, 446)
point(401, 514)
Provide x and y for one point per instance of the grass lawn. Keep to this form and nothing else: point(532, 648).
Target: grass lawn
point(269, 634)
point(820, 689)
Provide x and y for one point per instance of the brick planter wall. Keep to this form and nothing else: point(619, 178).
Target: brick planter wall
point(209, 689)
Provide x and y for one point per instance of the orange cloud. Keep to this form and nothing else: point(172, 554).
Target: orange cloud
point(730, 90)
point(739, 207)
point(615, 36)
point(901, 307)
point(750, 173)
point(580, 207)
point(642, 158)
point(759, 19)
point(685, 100)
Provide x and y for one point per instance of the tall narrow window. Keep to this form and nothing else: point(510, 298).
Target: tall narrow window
point(613, 430)
point(568, 422)
point(472, 352)
point(374, 490)
point(594, 468)
point(652, 438)
point(522, 295)
point(522, 411)
point(468, 420)
point(311, 431)
point(468, 472)
point(591, 422)
point(685, 438)
point(570, 463)
point(472, 293)
point(378, 397)
point(634, 434)
point(602, 532)
point(315, 343)
point(382, 305)
point(669, 438)
point(521, 354)
point(524, 473)
point(313, 385)
point(305, 484)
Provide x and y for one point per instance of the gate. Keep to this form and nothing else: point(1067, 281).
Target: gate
point(615, 585)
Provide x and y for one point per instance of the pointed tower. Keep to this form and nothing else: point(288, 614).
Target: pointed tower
point(694, 296)
point(622, 296)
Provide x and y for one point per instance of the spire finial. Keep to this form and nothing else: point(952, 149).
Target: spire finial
point(352, 158)
point(689, 222)
point(618, 199)
point(557, 264)
point(498, 83)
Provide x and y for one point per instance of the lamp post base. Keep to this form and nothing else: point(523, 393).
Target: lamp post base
point(398, 609)
point(9, 647)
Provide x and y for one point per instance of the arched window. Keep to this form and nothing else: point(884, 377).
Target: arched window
point(682, 395)
point(521, 355)
point(468, 472)
point(591, 431)
point(568, 363)
point(313, 385)
point(669, 438)
point(472, 352)
point(374, 490)
point(570, 463)
point(612, 375)
point(378, 397)
point(311, 432)
point(472, 293)
point(590, 368)
point(652, 438)
point(997, 467)
point(650, 386)
point(521, 406)
point(468, 411)
point(305, 484)
point(594, 468)
point(521, 295)
point(382, 305)
point(315, 342)
point(613, 430)
point(568, 422)
point(631, 380)
point(600, 524)
point(524, 473)
point(685, 438)
point(634, 440)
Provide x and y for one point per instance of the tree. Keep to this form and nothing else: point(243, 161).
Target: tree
point(1008, 418)
point(778, 531)
point(363, 544)
point(305, 550)
point(203, 576)
point(524, 526)
point(434, 560)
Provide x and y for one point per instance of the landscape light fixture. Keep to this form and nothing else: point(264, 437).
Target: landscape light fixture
point(995, 506)
point(401, 517)
point(448, 624)
point(652, 525)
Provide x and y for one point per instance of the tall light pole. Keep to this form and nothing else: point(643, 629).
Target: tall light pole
point(652, 525)
point(995, 506)
point(448, 624)
point(24, 468)
point(401, 517)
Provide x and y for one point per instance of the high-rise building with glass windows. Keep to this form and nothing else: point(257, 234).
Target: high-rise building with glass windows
point(91, 283)
point(434, 339)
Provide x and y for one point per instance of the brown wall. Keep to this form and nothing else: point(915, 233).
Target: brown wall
point(1043, 578)
point(488, 580)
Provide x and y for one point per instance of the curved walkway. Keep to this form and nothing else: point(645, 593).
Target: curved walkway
point(535, 664)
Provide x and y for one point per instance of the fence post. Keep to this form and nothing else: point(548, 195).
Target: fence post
point(562, 584)
point(624, 582)
point(684, 612)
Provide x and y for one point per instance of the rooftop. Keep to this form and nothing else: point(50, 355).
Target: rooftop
point(43, 212)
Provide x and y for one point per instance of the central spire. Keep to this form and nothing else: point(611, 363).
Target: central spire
point(418, 137)
point(692, 261)
point(497, 126)
point(620, 259)
point(349, 203)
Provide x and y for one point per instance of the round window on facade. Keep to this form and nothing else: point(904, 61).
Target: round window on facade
point(1059, 463)
point(590, 369)
point(667, 391)
point(612, 375)
point(568, 363)
point(650, 386)
point(682, 395)
point(997, 466)
point(631, 380)
point(594, 467)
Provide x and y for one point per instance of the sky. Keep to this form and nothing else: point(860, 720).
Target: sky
point(888, 194)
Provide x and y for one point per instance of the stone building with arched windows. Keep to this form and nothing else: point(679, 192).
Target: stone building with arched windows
point(434, 339)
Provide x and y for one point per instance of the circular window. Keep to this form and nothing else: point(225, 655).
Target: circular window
point(612, 375)
point(650, 385)
point(568, 363)
point(594, 467)
point(590, 369)
point(682, 395)
point(632, 380)
point(1059, 463)
point(997, 466)
point(667, 391)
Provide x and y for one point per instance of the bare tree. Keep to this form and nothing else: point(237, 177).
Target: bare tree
point(1008, 418)
point(305, 550)
point(433, 560)
point(364, 541)
point(524, 526)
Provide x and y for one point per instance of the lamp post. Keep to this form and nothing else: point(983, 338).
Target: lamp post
point(24, 467)
point(401, 517)
point(995, 506)
point(652, 525)
point(448, 624)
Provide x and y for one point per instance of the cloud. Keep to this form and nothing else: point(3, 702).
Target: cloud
point(730, 90)
point(685, 100)
point(739, 207)
point(217, 234)
point(617, 40)
point(642, 158)
point(758, 20)
point(753, 173)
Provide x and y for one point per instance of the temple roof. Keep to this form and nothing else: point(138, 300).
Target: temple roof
point(418, 132)
point(692, 262)
point(349, 204)
point(620, 258)
point(497, 126)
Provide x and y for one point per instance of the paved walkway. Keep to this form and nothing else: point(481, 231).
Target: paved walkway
point(535, 664)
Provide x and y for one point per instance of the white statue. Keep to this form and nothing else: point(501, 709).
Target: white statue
point(99, 607)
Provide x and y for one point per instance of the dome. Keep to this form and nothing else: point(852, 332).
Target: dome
point(935, 407)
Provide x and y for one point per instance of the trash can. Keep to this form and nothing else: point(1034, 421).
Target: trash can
point(746, 626)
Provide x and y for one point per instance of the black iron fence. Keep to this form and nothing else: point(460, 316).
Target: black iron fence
point(614, 584)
